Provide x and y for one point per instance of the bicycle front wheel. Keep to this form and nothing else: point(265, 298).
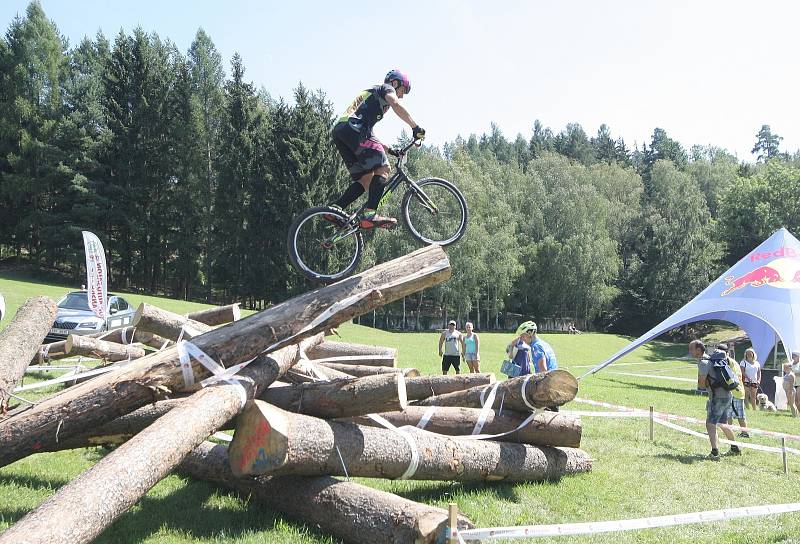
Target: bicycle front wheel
point(435, 211)
point(322, 246)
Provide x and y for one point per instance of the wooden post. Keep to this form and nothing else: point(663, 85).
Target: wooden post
point(20, 341)
point(347, 349)
point(452, 516)
point(422, 387)
point(122, 391)
point(651, 424)
point(366, 370)
point(100, 349)
point(218, 315)
point(785, 457)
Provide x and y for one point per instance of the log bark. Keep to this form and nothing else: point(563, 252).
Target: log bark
point(218, 315)
point(125, 335)
point(308, 371)
point(341, 398)
point(92, 501)
point(543, 390)
point(100, 349)
point(546, 429)
point(385, 361)
point(167, 324)
point(342, 349)
point(269, 440)
point(365, 370)
point(20, 341)
point(349, 511)
point(112, 395)
point(423, 387)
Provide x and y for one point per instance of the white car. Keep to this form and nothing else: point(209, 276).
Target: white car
point(75, 317)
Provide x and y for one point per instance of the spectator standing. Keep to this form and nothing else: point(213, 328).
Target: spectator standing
point(449, 344)
point(542, 353)
point(470, 348)
point(751, 370)
point(737, 395)
point(519, 350)
point(719, 400)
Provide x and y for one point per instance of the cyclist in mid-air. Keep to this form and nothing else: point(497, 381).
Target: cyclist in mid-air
point(363, 155)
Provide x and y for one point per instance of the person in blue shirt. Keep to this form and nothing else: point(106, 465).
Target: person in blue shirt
point(542, 353)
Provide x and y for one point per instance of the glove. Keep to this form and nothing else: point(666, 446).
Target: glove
point(393, 151)
point(418, 133)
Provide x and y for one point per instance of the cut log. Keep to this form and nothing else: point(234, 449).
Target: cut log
point(167, 324)
point(362, 360)
point(365, 370)
point(125, 335)
point(308, 371)
point(341, 398)
point(269, 440)
point(423, 387)
point(543, 390)
point(89, 503)
point(100, 349)
point(346, 349)
point(20, 341)
point(218, 315)
point(546, 428)
point(349, 511)
point(112, 395)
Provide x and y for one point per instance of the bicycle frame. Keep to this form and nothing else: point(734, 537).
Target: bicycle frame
point(398, 177)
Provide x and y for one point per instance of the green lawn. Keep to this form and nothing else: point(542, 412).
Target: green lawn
point(632, 476)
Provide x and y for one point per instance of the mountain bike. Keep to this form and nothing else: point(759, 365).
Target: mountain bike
point(326, 244)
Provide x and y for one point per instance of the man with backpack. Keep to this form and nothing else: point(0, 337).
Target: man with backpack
point(716, 375)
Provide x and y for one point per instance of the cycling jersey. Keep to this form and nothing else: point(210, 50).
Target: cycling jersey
point(367, 109)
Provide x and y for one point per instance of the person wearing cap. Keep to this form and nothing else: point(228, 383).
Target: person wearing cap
point(519, 350)
point(542, 353)
point(449, 344)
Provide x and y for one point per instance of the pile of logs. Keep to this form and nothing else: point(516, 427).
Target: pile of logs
point(304, 410)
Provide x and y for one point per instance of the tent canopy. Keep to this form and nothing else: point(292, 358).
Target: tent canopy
point(759, 294)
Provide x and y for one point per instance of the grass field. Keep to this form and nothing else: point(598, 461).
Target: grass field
point(632, 476)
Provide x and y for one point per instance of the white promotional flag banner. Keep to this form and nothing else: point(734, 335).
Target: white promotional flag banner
point(96, 278)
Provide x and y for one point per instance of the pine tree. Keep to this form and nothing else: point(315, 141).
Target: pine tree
point(767, 144)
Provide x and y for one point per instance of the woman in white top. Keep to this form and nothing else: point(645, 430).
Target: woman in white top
point(751, 371)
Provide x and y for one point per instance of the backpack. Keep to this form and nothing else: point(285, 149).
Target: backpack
point(720, 374)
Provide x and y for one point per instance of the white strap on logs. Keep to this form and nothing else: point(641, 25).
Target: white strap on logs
point(414, 462)
point(187, 350)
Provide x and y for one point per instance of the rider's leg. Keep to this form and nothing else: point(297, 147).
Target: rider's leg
point(375, 183)
point(355, 190)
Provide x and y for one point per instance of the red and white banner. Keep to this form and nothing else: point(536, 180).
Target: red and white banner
point(96, 277)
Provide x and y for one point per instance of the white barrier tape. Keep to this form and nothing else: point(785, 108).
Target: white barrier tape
point(604, 414)
point(486, 407)
point(660, 363)
point(186, 350)
point(687, 419)
point(426, 417)
point(759, 447)
point(414, 462)
point(594, 527)
point(48, 368)
point(67, 378)
point(671, 378)
point(222, 436)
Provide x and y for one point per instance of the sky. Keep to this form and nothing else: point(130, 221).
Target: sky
point(708, 72)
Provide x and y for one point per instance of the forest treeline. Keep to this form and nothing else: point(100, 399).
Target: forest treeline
point(191, 175)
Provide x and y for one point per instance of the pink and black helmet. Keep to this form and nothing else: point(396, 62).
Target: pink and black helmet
point(397, 75)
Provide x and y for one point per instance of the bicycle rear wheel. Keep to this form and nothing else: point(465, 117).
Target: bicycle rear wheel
point(435, 212)
point(322, 246)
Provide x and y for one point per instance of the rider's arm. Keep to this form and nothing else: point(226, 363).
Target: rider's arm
point(398, 108)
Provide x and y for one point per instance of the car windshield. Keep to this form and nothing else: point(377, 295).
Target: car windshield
point(74, 301)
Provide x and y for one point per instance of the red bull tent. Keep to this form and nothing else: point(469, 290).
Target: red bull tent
point(760, 294)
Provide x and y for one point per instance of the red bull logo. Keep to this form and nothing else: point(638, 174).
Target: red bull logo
point(778, 253)
point(776, 273)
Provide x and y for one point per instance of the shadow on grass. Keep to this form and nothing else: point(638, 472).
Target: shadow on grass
point(444, 491)
point(661, 389)
point(186, 511)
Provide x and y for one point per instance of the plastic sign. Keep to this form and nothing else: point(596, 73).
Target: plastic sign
point(96, 277)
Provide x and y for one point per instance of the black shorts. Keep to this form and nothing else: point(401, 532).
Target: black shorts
point(451, 360)
point(360, 155)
